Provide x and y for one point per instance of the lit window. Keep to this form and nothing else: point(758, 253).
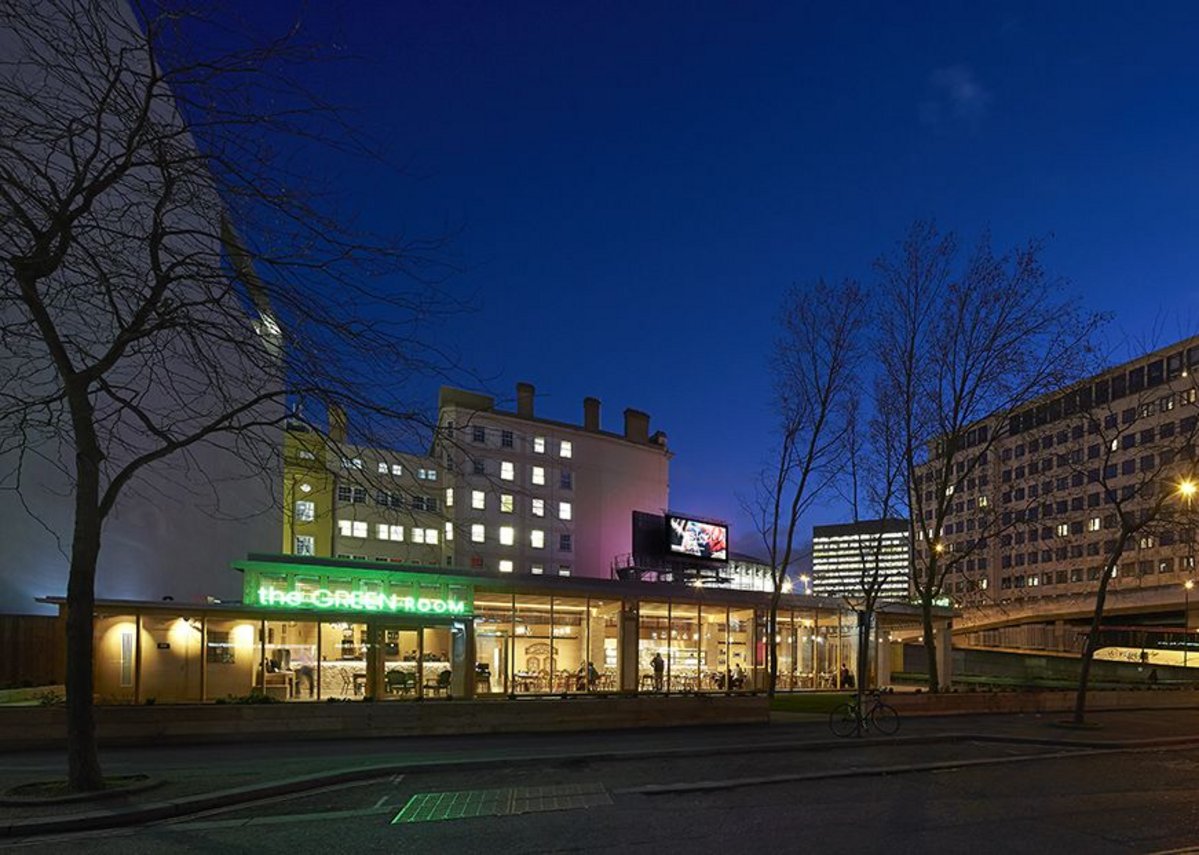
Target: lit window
point(564, 510)
point(305, 511)
point(507, 470)
point(476, 532)
point(949, 490)
point(1063, 529)
point(537, 538)
point(1094, 524)
point(382, 468)
point(352, 528)
point(539, 475)
point(449, 497)
point(383, 531)
point(538, 507)
point(566, 448)
point(351, 463)
point(305, 545)
point(304, 454)
point(507, 535)
point(506, 503)
point(397, 469)
point(505, 566)
point(563, 569)
point(536, 569)
point(983, 501)
point(478, 500)
point(449, 531)
point(426, 474)
point(431, 535)
point(418, 535)
point(539, 444)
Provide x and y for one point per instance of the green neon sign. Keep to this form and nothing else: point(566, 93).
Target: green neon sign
point(360, 601)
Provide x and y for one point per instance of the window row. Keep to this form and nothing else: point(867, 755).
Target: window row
point(384, 531)
point(507, 505)
point(506, 535)
point(348, 494)
point(537, 474)
point(507, 439)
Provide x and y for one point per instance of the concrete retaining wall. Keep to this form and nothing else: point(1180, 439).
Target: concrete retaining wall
point(967, 703)
point(45, 727)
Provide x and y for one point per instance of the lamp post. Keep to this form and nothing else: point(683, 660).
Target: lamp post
point(1187, 488)
point(1186, 618)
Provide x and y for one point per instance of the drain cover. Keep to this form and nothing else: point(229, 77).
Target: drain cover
point(464, 804)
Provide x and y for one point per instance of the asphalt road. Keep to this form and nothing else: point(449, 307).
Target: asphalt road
point(1025, 799)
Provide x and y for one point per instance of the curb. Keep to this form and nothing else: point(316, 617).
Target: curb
point(159, 811)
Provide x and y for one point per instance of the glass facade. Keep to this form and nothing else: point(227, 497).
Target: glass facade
point(329, 636)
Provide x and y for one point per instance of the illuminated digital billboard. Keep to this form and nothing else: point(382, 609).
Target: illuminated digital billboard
point(697, 538)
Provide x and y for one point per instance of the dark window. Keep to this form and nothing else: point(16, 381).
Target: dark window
point(478, 434)
point(565, 542)
point(566, 480)
point(478, 467)
point(1157, 373)
point(1136, 379)
point(505, 439)
point(1119, 387)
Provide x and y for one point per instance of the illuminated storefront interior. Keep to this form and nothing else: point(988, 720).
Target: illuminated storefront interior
point(313, 630)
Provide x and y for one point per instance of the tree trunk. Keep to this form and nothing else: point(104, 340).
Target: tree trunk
point(83, 762)
point(930, 643)
point(1088, 652)
point(772, 630)
point(864, 621)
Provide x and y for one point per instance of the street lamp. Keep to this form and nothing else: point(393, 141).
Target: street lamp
point(1187, 488)
point(807, 582)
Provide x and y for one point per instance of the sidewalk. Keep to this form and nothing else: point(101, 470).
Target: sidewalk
point(198, 778)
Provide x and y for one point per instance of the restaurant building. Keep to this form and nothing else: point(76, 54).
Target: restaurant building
point(312, 629)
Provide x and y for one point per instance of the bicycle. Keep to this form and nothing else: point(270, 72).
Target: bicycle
point(847, 720)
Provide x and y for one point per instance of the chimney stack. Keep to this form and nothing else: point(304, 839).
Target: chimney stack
point(524, 400)
point(591, 414)
point(636, 426)
point(338, 424)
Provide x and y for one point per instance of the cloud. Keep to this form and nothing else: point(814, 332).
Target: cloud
point(955, 94)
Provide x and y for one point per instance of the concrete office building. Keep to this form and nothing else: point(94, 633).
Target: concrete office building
point(1039, 484)
point(844, 555)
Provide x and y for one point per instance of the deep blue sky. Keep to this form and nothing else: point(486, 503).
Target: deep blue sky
point(636, 185)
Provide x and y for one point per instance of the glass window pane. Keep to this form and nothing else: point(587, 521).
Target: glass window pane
point(653, 646)
point(569, 634)
point(493, 634)
point(683, 666)
point(233, 657)
point(532, 652)
point(343, 662)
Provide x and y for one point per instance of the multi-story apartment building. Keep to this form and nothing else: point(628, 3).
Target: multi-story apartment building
point(504, 491)
point(537, 496)
point(845, 555)
point(1035, 494)
point(344, 501)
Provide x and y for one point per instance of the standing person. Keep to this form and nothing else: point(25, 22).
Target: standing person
point(659, 666)
point(738, 681)
point(846, 680)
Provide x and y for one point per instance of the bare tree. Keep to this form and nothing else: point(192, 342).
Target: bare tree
point(963, 342)
point(815, 366)
point(140, 330)
point(1140, 463)
point(875, 482)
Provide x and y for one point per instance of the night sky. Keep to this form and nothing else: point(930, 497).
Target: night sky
point(632, 187)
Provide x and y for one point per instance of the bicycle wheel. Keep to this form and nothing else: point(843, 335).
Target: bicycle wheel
point(884, 719)
point(843, 720)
